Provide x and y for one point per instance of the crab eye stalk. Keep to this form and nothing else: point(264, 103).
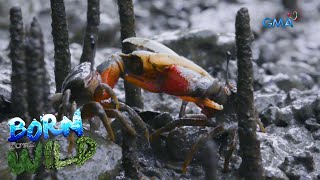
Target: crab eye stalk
point(228, 57)
point(229, 86)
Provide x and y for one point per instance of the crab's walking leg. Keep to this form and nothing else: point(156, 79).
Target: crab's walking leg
point(136, 119)
point(105, 88)
point(207, 102)
point(94, 108)
point(117, 114)
point(217, 131)
point(63, 109)
point(183, 108)
point(64, 104)
point(182, 122)
point(231, 148)
point(71, 138)
point(182, 113)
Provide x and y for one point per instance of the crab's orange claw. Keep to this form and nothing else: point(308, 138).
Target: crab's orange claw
point(206, 102)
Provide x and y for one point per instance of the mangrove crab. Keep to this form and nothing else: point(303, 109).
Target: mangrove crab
point(157, 69)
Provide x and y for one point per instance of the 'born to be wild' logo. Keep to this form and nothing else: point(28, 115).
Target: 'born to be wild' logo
point(19, 159)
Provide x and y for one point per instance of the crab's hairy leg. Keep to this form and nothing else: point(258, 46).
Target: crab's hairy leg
point(136, 119)
point(183, 109)
point(193, 150)
point(93, 108)
point(120, 117)
point(206, 102)
point(231, 148)
point(71, 137)
point(105, 88)
point(150, 45)
point(183, 114)
point(212, 134)
point(143, 83)
point(182, 122)
point(64, 104)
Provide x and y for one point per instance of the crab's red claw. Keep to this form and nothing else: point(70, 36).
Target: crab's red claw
point(160, 70)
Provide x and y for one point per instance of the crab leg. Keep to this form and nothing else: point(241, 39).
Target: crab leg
point(136, 119)
point(183, 107)
point(64, 104)
point(182, 112)
point(94, 108)
point(181, 122)
point(231, 148)
point(207, 102)
point(64, 99)
point(71, 137)
point(214, 133)
point(105, 88)
point(117, 114)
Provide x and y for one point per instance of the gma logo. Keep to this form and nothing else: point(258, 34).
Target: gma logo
point(271, 23)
